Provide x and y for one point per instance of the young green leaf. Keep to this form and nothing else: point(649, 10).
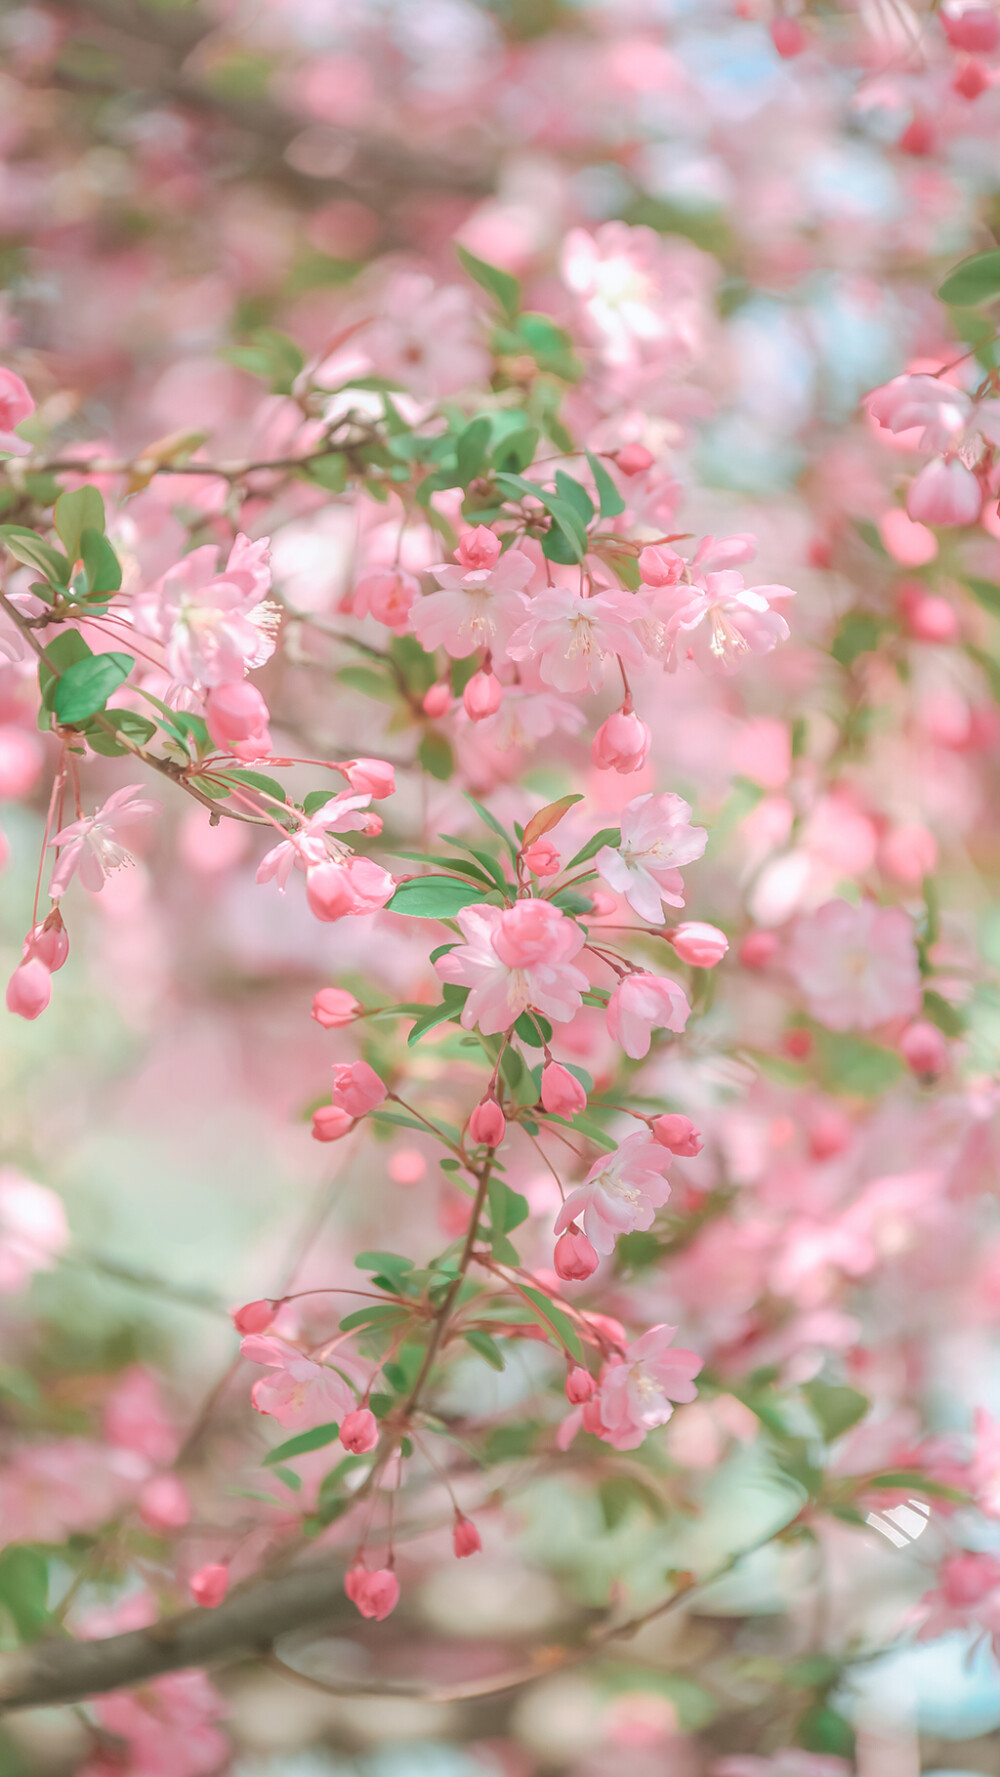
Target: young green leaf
point(301, 1444)
point(26, 546)
point(501, 285)
point(84, 689)
point(80, 509)
point(974, 281)
point(611, 502)
point(434, 897)
point(486, 1348)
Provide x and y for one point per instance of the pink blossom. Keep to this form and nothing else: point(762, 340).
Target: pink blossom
point(482, 696)
point(945, 492)
point(641, 298)
point(634, 459)
point(16, 403)
point(641, 1004)
point(428, 337)
point(49, 1490)
point(975, 29)
point(33, 1229)
point(574, 1258)
point(330, 1122)
point(487, 1124)
point(135, 1417)
point(542, 858)
point(856, 966)
point(309, 845)
point(580, 1386)
point(302, 1393)
point(562, 1094)
point(386, 594)
point(29, 989)
point(656, 838)
point(719, 620)
point(571, 638)
point(621, 1192)
point(477, 607)
point(333, 1007)
point(931, 409)
point(967, 1597)
point(376, 1594)
point(215, 624)
point(372, 777)
point(621, 743)
point(678, 1134)
point(513, 959)
point(637, 1391)
point(167, 1728)
point(254, 1317)
point(924, 1049)
point(700, 945)
point(164, 1503)
point(355, 885)
point(357, 1088)
point(91, 848)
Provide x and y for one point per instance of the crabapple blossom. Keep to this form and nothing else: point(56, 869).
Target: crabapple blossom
point(638, 1390)
point(387, 594)
point(621, 1192)
point(215, 623)
point(575, 1258)
point(656, 839)
point(302, 1393)
point(571, 638)
point(254, 1317)
point(856, 966)
point(482, 696)
point(923, 1048)
point(677, 1133)
point(487, 1123)
point(945, 492)
point(359, 1431)
point(719, 620)
point(369, 777)
point(236, 717)
point(16, 404)
point(91, 848)
point(357, 1088)
point(330, 1122)
point(542, 858)
point(477, 606)
point(209, 1584)
point(562, 1094)
point(514, 959)
point(334, 1007)
point(701, 945)
point(621, 743)
point(29, 989)
point(641, 1004)
point(354, 885)
point(375, 1594)
point(33, 1229)
point(465, 1538)
point(309, 845)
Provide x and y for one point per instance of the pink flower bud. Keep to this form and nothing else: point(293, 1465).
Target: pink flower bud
point(334, 1006)
point(678, 1134)
point(359, 886)
point(909, 853)
point(830, 1132)
point(633, 459)
point(330, 1122)
point(387, 595)
point(542, 858)
point(758, 949)
point(698, 944)
point(438, 700)
point(487, 1123)
point(580, 1385)
point(621, 743)
point(574, 1258)
point(923, 1048)
point(465, 1539)
point(375, 1594)
point(236, 717)
point(482, 696)
point(209, 1585)
point(29, 989)
point(912, 545)
point(21, 760)
point(164, 1503)
point(48, 942)
point(357, 1088)
point(479, 548)
point(562, 1093)
point(971, 80)
point(976, 30)
point(660, 566)
point(928, 617)
point(359, 1431)
point(254, 1317)
point(788, 37)
point(944, 493)
point(372, 777)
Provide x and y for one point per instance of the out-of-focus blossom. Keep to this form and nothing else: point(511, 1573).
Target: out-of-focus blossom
point(856, 966)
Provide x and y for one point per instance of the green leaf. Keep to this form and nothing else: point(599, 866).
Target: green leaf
point(26, 546)
point(516, 451)
point(575, 495)
point(501, 285)
point(100, 563)
point(607, 836)
point(270, 355)
point(508, 1209)
point(974, 281)
point(611, 501)
point(823, 1729)
point(941, 1012)
point(84, 689)
point(835, 1408)
point(81, 509)
point(434, 897)
point(619, 1494)
point(549, 345)
point(852, 1064)
point(445, 1013)
point(301, 1444)
point(256, 780)
point(857, 633)
point(329, 472)
point(64, 650)
point(896, 1479)
point(471, 448)
point(369, 680)
point(127, 723)
point(379, 1314)
point(24, 1588)
point(290, 1478)
point(986, 592)
point(486, 1348)
point(490, 820)
point(563, 514)
point(550, 1316)
point(391, 1266)
point(436, 756)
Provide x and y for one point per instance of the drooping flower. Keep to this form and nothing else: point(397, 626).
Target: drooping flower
point(375, 1593)
point(357, 1088)
point(91, 849)
point(621, 1192)
point(514, 958)
point(657, 838)
point(856, 966)
point(16, 403)
point(308, 845)
point(478, 606)
point(622, 742)
point(301, 1393)
point(215, 623)
point(641, 1004)
point(638, 1391)
point(351, 885)
point(720, 620)
point(571, 637)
